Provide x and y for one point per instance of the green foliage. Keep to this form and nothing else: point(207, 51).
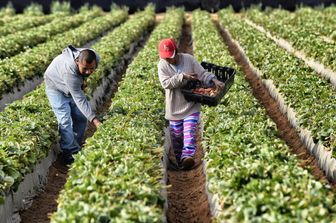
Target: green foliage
point(8, 10)
point(306, 29)
point(28, 126)
point(312, 97)
point(17, 42)
point(250, 170)
point(121, 37)
point(24, 23)
point(33, 9)
point(116, 7)
point(116, 176)
point(60, 7)
point(84, 8)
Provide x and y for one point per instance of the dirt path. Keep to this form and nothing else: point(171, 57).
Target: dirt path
point(186, 45)
point(46, 202)
point(187, 198)
point(287, 133)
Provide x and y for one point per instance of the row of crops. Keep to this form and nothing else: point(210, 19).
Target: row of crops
point(262, 181)
point(252, 175)
point(28, 126)
point(125, 151)
point(311, 97)
point(8, 13)
point(304, 34)
point(251, 171)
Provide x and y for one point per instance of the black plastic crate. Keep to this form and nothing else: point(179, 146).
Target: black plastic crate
point(223, 74)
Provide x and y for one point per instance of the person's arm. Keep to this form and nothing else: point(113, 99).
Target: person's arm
point(173, 81)
point(206, 77)
point(74, 86)
point(169, 82)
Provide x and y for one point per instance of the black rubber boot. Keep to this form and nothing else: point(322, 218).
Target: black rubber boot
point(188, 163)
point(67, 158)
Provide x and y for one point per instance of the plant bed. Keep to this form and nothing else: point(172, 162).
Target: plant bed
point(28, 188)
point(187, 195)
point(38, 101)
point(125, 150)
point(16, 72)
point(251, 172)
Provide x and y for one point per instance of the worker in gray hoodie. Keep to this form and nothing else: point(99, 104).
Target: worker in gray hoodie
point(64, 79)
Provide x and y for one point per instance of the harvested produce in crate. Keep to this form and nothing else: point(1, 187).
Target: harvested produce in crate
point(206, 91)
point(197, 92)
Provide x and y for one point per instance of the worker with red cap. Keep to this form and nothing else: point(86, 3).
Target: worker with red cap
point(174, 70)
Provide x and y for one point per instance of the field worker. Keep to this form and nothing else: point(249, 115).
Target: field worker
point(175, 69)
point(64, 79)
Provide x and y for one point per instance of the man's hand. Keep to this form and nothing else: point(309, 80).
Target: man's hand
point(96, 122)
point(218, 84)
point(190, 76)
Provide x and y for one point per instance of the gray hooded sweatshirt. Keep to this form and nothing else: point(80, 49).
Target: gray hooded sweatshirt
point(63, 75)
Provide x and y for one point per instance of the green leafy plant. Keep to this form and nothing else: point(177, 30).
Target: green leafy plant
point(17, 42)
point(8, 10)
point(304, 32)
point(311, 96)
point(24, 23)
point(33, 9)
point(251, 173)
point(60, 7)
point(28, 126)
point(117, 173)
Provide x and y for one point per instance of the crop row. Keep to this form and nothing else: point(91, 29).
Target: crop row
point(17, 42)
point(311, 97)
point(33, 62)
point(7, 11)
point(117, 175)
point(308, 18)
point(301, 37)
point(110, 55)
point(24, 24)
point(329, 11)
point(251, 173)
point(29, 127)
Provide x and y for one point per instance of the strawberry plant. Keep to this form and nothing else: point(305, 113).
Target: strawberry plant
point(310, 96)
point(29, 127)
point(19, 41)
point(33, 62)
point(252, 175)
point(122, 37)
point(24, 24)
point(116, 177)
point(301, 37)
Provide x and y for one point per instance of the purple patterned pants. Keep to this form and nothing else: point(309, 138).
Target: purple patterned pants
point(183, 133)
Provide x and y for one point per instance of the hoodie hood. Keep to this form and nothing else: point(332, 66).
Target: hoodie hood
point(73, 52)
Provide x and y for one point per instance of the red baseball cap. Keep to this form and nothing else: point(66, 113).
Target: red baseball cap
point(167, 48)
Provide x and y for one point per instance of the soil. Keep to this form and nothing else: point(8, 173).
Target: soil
point(186, 44)
point(287, 133)
point(46, 202)
point(187, 199)
point(159, 17)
